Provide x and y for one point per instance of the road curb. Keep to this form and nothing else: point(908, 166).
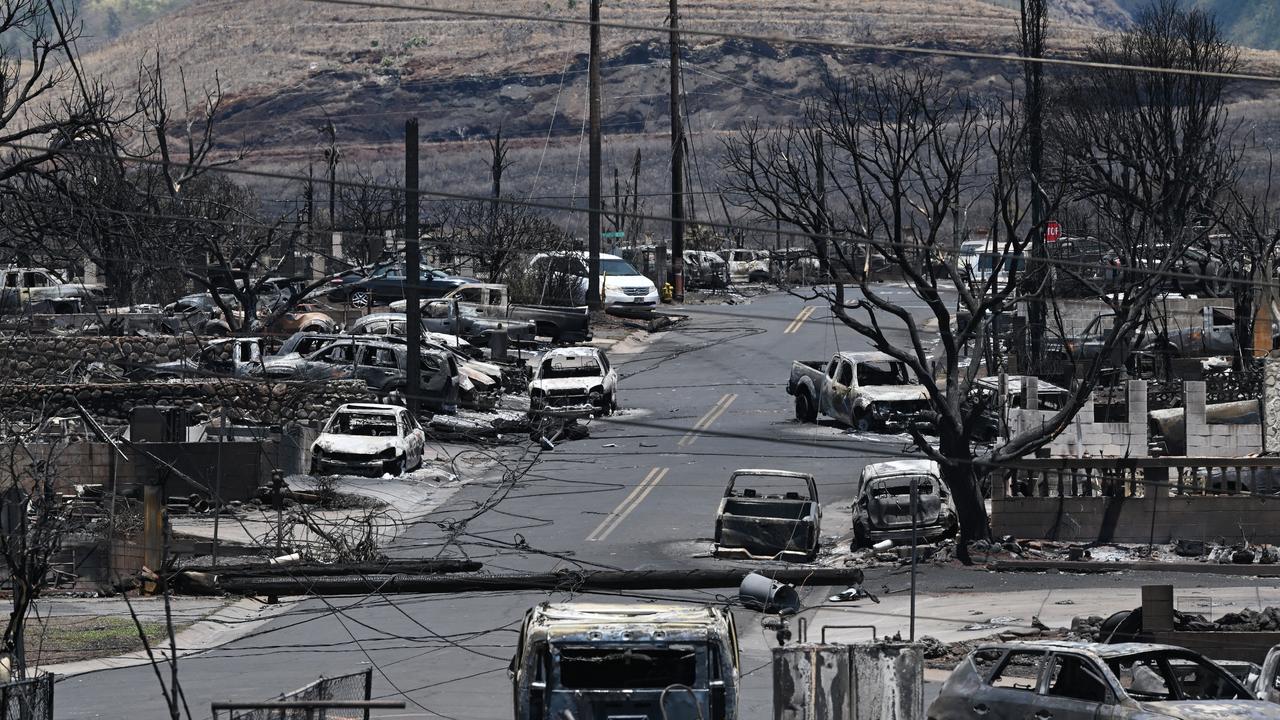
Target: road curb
point(1101, 567)
point(215, 630)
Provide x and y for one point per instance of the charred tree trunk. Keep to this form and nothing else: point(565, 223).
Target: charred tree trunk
point(959, 472)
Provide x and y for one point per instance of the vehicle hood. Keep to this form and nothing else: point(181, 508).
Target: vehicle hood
point(1217, 709)
point(484, 374)
point(894, 393)
point(583, 383)
point(356, 444)
point(615, 282)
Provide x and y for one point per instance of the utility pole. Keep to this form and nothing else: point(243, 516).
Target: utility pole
point(593, 198)
point(677, 158)
point(412, 266)
point(331, 157)
point(1032, 24)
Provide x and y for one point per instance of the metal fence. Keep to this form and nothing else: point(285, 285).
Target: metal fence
point(27, 699)
point(354, 687)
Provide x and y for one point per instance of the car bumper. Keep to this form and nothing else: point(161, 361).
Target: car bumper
point(373, 467)
point(617, 297)
point(923, 534)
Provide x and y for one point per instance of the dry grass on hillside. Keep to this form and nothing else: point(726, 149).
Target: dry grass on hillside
point(277, 43)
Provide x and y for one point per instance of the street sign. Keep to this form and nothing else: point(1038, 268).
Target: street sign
point(1052, 231)
point(613, 234)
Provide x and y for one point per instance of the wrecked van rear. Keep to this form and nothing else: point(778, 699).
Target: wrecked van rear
point(587, 660)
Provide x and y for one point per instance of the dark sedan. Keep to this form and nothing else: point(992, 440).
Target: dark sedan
point(387, 283)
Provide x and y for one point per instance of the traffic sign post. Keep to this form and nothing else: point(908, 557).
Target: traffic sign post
point(1052, 231)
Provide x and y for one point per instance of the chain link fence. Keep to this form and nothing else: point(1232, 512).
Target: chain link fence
point(356, 686)
point(27, 699)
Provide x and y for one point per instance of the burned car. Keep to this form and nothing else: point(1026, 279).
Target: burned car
point(573, 382)
point(590, 660)
point(769, 515)
point(1085, 680)
point(883, 508)
point(363, 438)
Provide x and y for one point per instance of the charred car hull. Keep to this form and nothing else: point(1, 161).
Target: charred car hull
point(755, 524)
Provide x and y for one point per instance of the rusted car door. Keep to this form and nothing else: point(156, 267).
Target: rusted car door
point(1011, 693)
point(1076, 688)
point(837, 401)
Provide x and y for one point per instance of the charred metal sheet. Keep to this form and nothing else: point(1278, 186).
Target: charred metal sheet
point(876, 681)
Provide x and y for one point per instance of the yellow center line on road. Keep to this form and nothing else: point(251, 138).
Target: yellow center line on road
point(706, 420)
point(803, 315)
point(620, 513)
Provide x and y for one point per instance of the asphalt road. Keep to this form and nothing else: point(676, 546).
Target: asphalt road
point(640, 492)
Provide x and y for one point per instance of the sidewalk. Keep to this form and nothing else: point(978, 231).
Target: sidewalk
point(213, 622)
point(973, 615)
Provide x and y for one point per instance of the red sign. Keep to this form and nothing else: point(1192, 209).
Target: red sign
point(1052, 231)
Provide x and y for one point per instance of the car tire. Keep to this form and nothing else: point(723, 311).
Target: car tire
point(360, 298)
point(862, 421)
point(805, 410)
point(608, 406)
point(397, 468)
point(860, 536)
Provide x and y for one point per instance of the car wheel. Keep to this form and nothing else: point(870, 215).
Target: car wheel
point(396, 468)
point(805, 410)
point(608, 406)
point(360, 298)
point(860, 536)
point(862, 423)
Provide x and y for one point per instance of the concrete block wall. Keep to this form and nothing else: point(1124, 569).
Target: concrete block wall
point(1155, 517)
point(1205, 439)
point(1084, 436)
point(1181, 313)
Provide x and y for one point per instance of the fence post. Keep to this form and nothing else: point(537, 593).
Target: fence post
point(368, 689)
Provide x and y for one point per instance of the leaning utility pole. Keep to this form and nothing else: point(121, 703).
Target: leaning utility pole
point(412, 266)
point(677, 159)
point(593, 198)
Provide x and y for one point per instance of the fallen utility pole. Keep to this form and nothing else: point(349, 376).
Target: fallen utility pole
point(580, 581)
point(394, 567)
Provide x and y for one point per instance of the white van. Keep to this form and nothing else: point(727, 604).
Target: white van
point(620, 284)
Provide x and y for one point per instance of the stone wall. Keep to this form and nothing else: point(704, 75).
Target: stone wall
point(41, 359)
point(267, 403)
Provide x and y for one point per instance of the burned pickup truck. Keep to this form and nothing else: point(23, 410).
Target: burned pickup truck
point(769, 515)
point(883, 508)
point(866, 390)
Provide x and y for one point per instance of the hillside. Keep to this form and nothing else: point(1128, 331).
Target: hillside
point(287, 67)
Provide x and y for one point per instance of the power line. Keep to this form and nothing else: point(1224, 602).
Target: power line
point(822, 43)
point(941, 249)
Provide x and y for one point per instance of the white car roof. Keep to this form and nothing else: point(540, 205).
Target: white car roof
point(368, 408)
point(912, 466)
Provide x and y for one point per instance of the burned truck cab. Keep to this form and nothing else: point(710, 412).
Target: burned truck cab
point(588, 660)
